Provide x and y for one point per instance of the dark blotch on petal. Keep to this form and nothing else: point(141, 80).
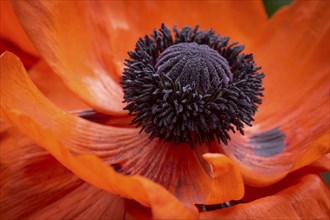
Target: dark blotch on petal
point(269, 143)
point(118, 168)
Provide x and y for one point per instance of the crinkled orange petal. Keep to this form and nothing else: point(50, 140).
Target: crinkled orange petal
point(293, 52)
point(242, 21)
point(322, 164)
point(316, 150)
point(292, 125)
point(55, 90)
point(75, 45)
point(53, 87)
point(86, 42)
point(254, 193)
point(181, 170)
point(25, 107)
point(12, 31)
point(306, 198)
point(228, 183)
point(13, 38)
point(35, 185)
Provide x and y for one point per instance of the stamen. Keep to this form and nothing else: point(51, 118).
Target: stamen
point(193, 89)
point(205, 208)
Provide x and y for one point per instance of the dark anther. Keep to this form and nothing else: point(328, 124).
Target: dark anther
point(204, 208)
point(118, 168)
point(94, 116)
point(191, 88)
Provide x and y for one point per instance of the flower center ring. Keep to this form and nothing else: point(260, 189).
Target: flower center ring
point(194, 89)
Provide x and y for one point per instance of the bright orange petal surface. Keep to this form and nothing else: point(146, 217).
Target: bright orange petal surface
point(292, 126)
point(228, 183)
point(293, 52)
point(75, 45)
point(13, 38)
point(53, 87)
point(306, 198)
point(11, 29)
point(323, 163)
point(242, 21)
point(25, 107)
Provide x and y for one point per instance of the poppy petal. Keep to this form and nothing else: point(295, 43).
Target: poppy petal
point(306, 198)
point(317, 149)
point(13, 37)
point(304, 34)
point(124, 149)
point(227, 180)
point(53, 87)
point(12, 31)
point(35, 185)
point(123, 22)
point(191, 180)
point(134, 19)
point(291, 128)
point(55, 90)
point(25, 107)
point(72, 42)
point(86, 43)
point(322, 164)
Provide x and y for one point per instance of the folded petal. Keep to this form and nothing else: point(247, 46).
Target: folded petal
point(35, 185)
point(13, 38)
point(292, 126)
point(12, 31)
point(27, 59)
point(306, 198)
point(53, 87)
point(181, 170)
point(75, 46)
point(25, 107)
point(228, 183)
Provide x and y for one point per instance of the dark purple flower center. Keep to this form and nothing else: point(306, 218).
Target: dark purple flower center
point(193, 89)
point(194, 64)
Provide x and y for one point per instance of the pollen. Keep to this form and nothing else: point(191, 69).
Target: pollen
point(192, 87)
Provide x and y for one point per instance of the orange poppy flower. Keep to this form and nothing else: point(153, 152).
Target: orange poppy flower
point(272, 168)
